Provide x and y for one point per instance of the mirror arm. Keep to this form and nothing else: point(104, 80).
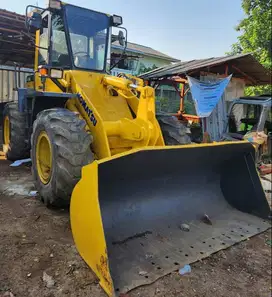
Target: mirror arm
point(29, 36)
point(124, 50)
point(33, 40)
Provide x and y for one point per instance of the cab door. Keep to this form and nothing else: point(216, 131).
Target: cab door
point(51, 51)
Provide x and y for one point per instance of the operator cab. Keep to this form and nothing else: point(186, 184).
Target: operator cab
point(72, 37)
point(249, 114)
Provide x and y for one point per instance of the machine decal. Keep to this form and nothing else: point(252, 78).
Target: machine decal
point(88, 110)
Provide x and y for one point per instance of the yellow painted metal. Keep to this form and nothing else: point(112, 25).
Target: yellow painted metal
point(87, 227)
point(29, 84)
point(194, 145)
point(6, 130)
point(37, 44)
point(116, 128)
point(44, 157)
point(49, 85)
point(135, 80)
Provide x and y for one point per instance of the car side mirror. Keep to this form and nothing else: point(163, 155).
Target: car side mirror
point(121, 38)
point(34, 22)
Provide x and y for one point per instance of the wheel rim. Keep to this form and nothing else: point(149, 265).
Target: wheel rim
point(44, 157)
point(6, 130)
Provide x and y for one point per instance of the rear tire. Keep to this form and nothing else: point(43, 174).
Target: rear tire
point(173, 131)
point(14, 133)
point(66, 143)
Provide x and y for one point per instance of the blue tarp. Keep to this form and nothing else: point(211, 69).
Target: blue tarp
point(207, 94)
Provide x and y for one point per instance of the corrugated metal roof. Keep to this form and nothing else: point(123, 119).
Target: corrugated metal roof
point(145, 50)
point(242, 65)
point(16, 46)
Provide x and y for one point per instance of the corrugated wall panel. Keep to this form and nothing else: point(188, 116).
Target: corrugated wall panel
point(216, 122)
point(1, 86)
point(11, 85)
point(7, 82)
point(5, 86)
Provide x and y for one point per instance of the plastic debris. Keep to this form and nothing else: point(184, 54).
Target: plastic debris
point(20, 162)
point(206, 219)
point(269, 242)
point(142, 272)
point(222, 254)
point(48, 280)
point(29, 274)
point(185, 227)
point(266, 185)
point(8, 294)
point(265, 169)
point(33, 193)
point(157, 291)
point(148, 256)
point(185, 269)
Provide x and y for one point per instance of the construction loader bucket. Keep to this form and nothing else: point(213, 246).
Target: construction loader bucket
point(127, 212)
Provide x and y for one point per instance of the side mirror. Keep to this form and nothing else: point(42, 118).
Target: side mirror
point(34, 22)
point(121, 38)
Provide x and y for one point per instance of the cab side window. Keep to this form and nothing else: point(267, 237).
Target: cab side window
point(59, 53)
point(44, 43)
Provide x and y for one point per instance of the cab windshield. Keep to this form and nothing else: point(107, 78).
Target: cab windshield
point(88, 31)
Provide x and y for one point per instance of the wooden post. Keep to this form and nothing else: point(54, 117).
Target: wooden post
point(182, 94)
point(227, 70)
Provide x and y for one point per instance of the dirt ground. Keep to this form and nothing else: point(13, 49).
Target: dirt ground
point(35, 240)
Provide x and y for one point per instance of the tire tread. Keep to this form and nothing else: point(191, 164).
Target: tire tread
point(72, 151)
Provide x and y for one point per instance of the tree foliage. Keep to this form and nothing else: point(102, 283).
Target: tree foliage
point(256, 36)
point(144, 69)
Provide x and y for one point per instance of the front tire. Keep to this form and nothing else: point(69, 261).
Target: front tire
point(173, 131)
point(60, 147)
point(14, 133)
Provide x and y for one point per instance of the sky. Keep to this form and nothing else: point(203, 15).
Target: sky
point(182, 29)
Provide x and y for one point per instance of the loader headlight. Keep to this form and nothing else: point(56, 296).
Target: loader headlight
point(116, 20)
point(45, 71)
point(54, 4)
point(56, 73)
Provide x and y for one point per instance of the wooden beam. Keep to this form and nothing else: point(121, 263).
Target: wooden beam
point(14, 15)
point(23, 44)
point(16, 51)
point(203, 73)
point(9, 30)
point(227, 70)
point(12, 19)
point(179, 79)
point(244, 74)
point(193, 71)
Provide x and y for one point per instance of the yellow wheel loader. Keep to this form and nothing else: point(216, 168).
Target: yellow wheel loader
point(140, 208)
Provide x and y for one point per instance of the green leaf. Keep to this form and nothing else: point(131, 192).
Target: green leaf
point(256, 36)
